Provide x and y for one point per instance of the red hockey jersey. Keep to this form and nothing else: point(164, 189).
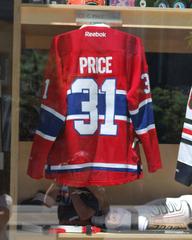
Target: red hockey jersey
point(96, 106)
point(184, 163)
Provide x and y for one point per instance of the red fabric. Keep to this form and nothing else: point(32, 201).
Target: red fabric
point(120, 63)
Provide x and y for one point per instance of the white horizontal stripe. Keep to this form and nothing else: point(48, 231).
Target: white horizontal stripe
point(148, 100)
point(117, 117)
point(188, 126)
point(80, 117)
point(123, 118)
point(118, 91)
point(101, 117)
point(144, 130)
point(85, 165)
point(187, 136)
point(101, 92)
point(188, 112)
point(185, 153)
point(52, 111)
point(121, 92)
point(45, 136)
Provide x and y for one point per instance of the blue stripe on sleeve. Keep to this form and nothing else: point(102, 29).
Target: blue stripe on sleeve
point(49, 123)
point(144, 117)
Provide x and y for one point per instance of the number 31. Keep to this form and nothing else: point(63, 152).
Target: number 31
point(108, 88)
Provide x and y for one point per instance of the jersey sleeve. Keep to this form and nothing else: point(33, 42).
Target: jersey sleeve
point(184, 161)
point(52, 113)
point(141, 110)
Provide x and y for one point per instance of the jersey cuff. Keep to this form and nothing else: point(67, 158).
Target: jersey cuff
point(183, 173)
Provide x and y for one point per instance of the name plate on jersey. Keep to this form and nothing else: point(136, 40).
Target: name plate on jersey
point(94, 17)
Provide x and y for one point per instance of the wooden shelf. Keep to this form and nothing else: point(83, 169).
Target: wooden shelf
point(135, 17)
point(118, 236)
point(162, 30)
point(100, 236)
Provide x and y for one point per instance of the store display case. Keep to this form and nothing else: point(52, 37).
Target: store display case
point(162, 31)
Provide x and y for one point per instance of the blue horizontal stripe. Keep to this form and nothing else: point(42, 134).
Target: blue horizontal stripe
point(75, 100)
point(48, 170)
point(144, 117)
point(74, 103)
point(49, 123)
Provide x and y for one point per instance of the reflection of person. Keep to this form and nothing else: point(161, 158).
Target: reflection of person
point(122, 3)
point(5, 212)
point(77, 206)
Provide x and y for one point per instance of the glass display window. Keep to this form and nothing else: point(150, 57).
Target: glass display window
point(96, 120)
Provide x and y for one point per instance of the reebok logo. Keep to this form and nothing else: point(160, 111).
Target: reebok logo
point(95, 34)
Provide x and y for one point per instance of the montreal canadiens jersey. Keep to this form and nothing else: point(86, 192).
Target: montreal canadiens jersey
point(96, 106)
point(184, 162)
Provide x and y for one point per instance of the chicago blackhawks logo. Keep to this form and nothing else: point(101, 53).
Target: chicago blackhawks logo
point(190, 101)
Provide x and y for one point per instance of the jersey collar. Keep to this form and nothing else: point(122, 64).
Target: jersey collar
point(95, 25)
